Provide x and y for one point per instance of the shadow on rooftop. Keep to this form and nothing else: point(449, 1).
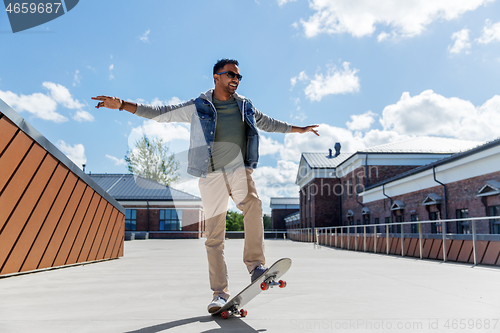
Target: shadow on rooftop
point(233, 324)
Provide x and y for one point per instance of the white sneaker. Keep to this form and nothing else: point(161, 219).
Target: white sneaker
point(217, 303)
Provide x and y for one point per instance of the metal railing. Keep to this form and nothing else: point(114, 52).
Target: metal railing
point(337, 234)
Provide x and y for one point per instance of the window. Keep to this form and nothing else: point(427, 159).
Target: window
point(377, 221)
point(494, 223)
point(397, 228)
point(463, 226)
point(436, 227)
point(414, 227)
point(170, 220)
point(366, 220)
point(387, 220)
point(345, 190)
point(130, 219)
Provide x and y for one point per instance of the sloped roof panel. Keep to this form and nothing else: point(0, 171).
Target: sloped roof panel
point(132, 187)
point(285, 201)
point(322, 160)
point(425, 144)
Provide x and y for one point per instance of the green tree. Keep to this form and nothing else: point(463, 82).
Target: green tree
point(268, 224)
point(234, 221)
point(151, 159)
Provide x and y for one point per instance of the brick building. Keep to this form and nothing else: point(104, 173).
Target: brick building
point(333, 187)
point(154, 210)
point(463, 185)
point(280, 209)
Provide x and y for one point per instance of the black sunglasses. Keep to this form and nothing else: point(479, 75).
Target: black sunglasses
point(231, 74)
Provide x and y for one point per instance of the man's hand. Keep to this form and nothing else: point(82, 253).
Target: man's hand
point(108, 102)
point(310, 128)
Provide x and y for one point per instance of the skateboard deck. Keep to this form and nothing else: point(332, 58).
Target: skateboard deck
point(267, 280)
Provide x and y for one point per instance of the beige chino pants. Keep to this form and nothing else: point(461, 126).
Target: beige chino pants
point(215, 191)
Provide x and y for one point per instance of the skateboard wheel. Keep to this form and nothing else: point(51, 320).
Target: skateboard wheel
point(224, 314)
point(264, 286)
point(282, 283)
point(243, 313)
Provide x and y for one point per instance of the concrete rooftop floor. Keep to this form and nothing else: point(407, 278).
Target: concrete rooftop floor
point(162, 286)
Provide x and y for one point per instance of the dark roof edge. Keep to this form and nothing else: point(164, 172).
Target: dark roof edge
point(29, 130)
point(443, 161)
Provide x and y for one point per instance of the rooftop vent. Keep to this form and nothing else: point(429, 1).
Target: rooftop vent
point(337, 151)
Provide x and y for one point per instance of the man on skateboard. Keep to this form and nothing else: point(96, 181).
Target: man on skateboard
point(224, 150)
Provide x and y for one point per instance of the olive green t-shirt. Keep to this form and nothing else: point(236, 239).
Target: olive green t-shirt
point(230, 136)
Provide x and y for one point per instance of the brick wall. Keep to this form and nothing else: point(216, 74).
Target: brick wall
point(278, 218)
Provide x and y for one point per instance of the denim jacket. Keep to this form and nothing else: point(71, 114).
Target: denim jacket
point(201, 113)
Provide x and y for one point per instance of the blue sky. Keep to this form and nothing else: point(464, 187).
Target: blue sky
point(369, 72)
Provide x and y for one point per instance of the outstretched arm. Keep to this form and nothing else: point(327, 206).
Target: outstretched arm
point(115, 103)
point(305, 129)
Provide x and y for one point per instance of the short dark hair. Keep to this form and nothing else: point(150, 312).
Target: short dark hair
point(223, 62)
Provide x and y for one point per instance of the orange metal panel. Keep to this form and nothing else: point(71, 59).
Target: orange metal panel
point(7, 132)
point(12, 157)
point(436, 248)
point(480, 250)
point(77, 199)
point(369, 244)
point(30, 232)
point(427, 248)
point(492, 252)
point(455, 247)
point(107, 234)
point(45, 235)
point(95, 241)
point(397, 248)
point(381, 245)
point(90, 203)
point(120, 224)
point(77, 233)
point(14, 190)
point(21, 213)
point(412, 247)
point(88, 233)
point(118, 244)
point(465, 252)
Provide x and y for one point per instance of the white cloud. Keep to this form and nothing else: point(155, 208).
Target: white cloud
point(156, 130)
point(276, 182)
point(173, 101)
point(81, 116)
point(75, 153)
point(433, 114)
point(336, 81)
point(145, 37)
point(301, 77)
point(117, 161)
point(360, 18)
point(111, 67)
point(361, 122)
point(491, 33)
point(44, 106)
point(283, 2)
point(38, 104)
point(268, 146)
point(61, 95)
point(461, 39)
point(77, 78)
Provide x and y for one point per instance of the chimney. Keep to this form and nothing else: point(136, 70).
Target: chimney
point(330, 154)
point(337, 149)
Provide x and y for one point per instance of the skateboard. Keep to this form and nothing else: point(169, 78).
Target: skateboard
point(264, 282)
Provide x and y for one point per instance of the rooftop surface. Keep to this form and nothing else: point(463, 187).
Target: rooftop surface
point(162, 286)
point(133, 187)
